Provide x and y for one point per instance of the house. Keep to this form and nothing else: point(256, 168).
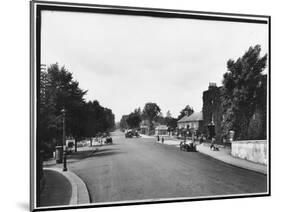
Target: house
point(192, 122)
point(161, 130)
point(144, 127)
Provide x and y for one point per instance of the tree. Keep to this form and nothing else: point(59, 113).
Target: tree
point(59, 91)
point(134, 119)
point(98, 119)
point(186, 111)
point(160, 119)
point(168, 114)
point(242, 88)
point(151, 111)
point(123, 122)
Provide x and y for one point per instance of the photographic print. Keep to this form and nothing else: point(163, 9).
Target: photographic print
point(145, 105)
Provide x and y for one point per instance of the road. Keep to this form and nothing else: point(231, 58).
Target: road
point(142, 169)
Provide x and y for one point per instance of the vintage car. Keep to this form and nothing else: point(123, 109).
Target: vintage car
point(131, 134)
point(108, 140)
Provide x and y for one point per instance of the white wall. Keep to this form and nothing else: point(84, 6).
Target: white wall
point(255, 150)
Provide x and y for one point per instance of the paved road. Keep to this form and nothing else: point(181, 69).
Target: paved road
point(141, 169)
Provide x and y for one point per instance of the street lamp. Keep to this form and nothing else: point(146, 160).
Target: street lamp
point(63, 140)
point(211, 129)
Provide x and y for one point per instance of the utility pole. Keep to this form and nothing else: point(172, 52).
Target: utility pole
point(63, 140)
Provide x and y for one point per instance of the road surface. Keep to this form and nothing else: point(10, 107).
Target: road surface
point(142, 169)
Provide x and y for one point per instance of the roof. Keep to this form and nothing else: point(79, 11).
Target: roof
point(196, 116)
point(161, 127)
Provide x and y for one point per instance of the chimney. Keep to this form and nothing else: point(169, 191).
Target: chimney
point(212, 85)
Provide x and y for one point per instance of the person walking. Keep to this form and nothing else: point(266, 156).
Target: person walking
point(212, 144)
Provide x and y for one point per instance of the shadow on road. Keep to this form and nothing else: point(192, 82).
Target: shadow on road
point(86, 154)
point(106, 153)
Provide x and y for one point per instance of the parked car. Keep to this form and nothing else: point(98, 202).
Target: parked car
point(131, 133)
point(187, 146)
point(108, 140)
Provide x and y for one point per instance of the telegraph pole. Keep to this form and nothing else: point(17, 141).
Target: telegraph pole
point(63, 140)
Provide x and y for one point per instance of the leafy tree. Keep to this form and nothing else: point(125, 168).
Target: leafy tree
point(134, 119)
point(242, 90)
point(123, 122)
point(98, 119)
point(168, 114)
point(160, 119)
point(59, 91)
point(186, 111)
point(151, 111)
point(171, 122)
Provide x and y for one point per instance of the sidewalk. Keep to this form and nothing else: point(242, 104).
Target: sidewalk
point(64, 188)
point(224, 154)
point(57, 189)
point(147, 136)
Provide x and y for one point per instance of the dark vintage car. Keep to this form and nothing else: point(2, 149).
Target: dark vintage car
point(187, 146)
point(131, 134)
point(108, 140)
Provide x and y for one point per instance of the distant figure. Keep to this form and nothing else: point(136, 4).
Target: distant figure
point(212, 143)
point(201, 139)
point(213, 147)
point(158, 138)
point(101, 141)
point(162, 140)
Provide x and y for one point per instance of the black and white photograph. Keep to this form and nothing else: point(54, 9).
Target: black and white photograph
point(134, 105)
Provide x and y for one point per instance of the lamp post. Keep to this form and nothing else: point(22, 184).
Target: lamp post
point(211, 129)
point(63, 140)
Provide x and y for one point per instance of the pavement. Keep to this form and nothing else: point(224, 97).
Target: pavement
point(56, 189)
point(64, 187)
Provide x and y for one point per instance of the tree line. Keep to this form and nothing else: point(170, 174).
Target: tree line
point(83, 119)
point(151, 112)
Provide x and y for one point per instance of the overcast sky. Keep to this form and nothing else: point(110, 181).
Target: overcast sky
point(126, 61)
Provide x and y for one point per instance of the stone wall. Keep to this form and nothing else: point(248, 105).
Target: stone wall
point(252, 150)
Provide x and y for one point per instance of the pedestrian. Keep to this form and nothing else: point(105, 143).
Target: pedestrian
point(212, 143)
point(201, 139)
point(162, 140)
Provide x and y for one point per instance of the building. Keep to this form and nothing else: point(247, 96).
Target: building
point(144, 127)
point(192, 122)
point(212, 111)
point(161, 130)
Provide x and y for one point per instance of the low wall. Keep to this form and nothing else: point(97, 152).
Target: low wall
point(252, 150)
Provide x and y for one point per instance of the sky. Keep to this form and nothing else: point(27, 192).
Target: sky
point(126, 61)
